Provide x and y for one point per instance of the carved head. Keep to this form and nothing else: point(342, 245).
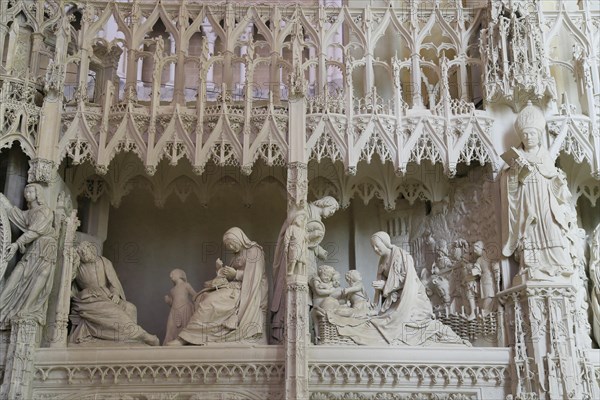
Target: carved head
point(529, 125)
point(442, 247)
point(478, 248)
point(353, 276)
point(235, 240)
point(178, 274)
point(87, 252)
point(381, 242)
point(328, 206)
point(33, 192)
point(327, 273)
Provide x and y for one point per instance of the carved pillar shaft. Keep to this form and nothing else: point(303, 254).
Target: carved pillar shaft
point(275, 78)
point(43, 167)
point(179, 78)
point(4, 342)
point(296, 317)
point(548, 362)
point(84, 68)
point(3, 32)
point(56, 331)
point(37, 47)
point(296, 338)
point(416, 81)
point(18, 373)
point(211, 38)
point(131, 74)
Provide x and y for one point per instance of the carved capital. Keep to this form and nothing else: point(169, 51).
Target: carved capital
point(55, 77)
point(246, 169)
point(198, 169)
point(150, 170)
point(41, 171)
point(298, 85)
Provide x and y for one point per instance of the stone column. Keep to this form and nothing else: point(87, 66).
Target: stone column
point(18, 373)
point(296, 318)
point(56, 333)
point(296, 338)
point(211, 38)
point(43, 168)
point(37, 47)
point(549, 362)
point(3, 32)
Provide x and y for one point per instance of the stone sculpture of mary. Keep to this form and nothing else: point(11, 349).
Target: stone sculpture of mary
point(406, 315)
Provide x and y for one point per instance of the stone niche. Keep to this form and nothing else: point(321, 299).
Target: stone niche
point(152, 230)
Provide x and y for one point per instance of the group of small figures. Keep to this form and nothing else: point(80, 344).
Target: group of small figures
point(463, 279)
point(328, 295)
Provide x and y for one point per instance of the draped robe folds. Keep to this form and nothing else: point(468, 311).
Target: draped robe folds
point(36, 265)
point(280, 270)
point(406, 315)
point(537, 208)
point(235, 312)
point(95, 314)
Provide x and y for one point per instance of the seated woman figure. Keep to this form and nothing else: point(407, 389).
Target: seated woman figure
point(98, 308)
point(236, 311)
point(406, 315)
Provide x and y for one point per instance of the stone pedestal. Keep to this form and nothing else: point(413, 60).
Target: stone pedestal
point(296, 338)
point(549, 362)
point(19, 369)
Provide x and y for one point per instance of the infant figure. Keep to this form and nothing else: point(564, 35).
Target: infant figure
point(357, 302)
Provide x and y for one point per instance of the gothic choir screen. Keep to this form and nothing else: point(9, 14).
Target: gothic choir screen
point(311, 200)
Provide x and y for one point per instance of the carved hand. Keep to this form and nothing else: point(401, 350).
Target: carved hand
point(229, 273)
point(378, 284)
point(322, 253)
point(12, 250)
point(115, 298)
point(521, 161)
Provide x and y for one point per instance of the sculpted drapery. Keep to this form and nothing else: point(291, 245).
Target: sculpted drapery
point(25, 292)
point(406, 315)
point(315, 232)
point(235, 312)
point(99, 309)
point(537, 206)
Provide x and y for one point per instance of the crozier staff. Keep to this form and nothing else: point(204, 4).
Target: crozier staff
point(537, 204)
